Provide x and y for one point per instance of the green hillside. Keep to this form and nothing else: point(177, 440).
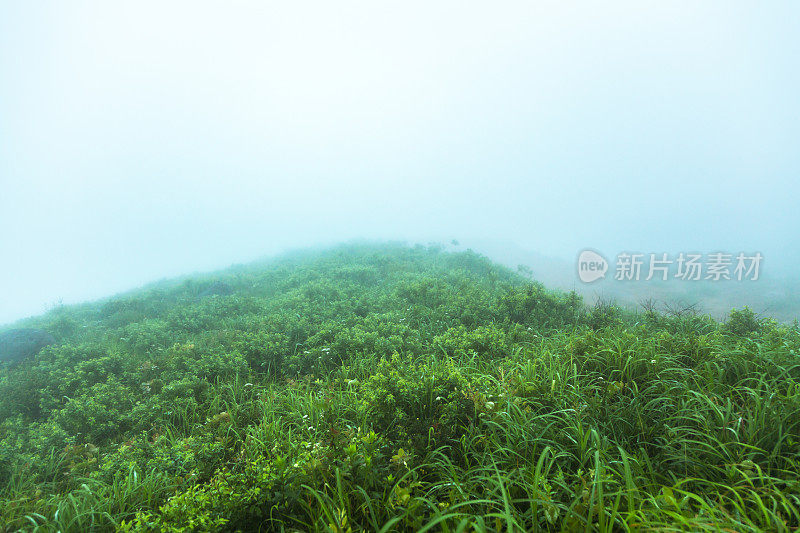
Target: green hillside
point(395, 388)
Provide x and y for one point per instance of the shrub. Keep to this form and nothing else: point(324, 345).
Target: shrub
point(742, 323)
point(419, 404)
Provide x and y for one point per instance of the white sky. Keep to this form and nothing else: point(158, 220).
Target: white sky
point(150, 139)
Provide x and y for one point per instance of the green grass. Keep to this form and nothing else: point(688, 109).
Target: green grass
point(386, 388)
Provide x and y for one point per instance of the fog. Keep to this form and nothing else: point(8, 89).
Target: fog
point(151, 139)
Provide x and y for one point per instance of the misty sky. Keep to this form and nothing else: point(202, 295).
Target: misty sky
point(150, 139)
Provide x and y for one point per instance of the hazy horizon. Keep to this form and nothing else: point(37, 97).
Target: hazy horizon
point(147, 141)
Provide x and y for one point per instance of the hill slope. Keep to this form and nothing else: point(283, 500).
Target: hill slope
point(370, 387)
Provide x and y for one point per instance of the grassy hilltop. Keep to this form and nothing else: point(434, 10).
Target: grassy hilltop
point(394, 388)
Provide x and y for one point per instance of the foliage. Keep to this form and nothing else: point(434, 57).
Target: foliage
point(394, 388)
